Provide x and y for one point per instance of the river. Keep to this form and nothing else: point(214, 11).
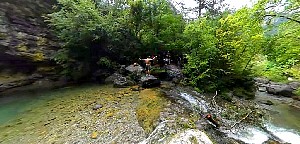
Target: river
point(25, 114)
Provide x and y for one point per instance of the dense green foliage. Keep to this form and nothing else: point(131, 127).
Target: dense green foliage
point(223, 49)
point(120, 31)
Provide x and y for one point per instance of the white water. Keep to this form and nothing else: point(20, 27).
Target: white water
point(251, 135)
point(201, 104)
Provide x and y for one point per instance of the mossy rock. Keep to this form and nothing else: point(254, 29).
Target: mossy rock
point(151, 103)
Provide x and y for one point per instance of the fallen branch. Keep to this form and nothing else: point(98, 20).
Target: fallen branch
point(240, 120)
point(213, 102)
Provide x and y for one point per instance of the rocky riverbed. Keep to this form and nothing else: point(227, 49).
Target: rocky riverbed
point(93, 114)
point(105, 114)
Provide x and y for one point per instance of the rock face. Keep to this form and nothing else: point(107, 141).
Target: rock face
point(150, 81)
point(18, 83)
point(25, 41)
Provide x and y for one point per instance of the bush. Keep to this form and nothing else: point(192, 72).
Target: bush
point(105, 62)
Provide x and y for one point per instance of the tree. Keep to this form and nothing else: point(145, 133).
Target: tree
point(213, 7)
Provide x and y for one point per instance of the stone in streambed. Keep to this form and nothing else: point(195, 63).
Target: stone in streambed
point(97, 106)
point(94, 135)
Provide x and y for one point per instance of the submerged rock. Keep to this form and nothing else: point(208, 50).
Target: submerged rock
point(97, 106)
point(267, 102)
point(150, 81)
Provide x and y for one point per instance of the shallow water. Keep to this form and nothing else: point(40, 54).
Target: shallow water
point(23, 107)
point(13, 105)
point(67, 116)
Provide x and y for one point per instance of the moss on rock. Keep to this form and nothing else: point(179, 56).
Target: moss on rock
point(150, 104)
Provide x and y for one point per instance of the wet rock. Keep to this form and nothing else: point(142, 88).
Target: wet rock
point(150, 81)
point(267, 102)
point(262, 89)
point(271, 142)
point(123, 82)
point(173, 72)
point(280, 89)
point(97, 106)
point(112, 78)
point(294, 85)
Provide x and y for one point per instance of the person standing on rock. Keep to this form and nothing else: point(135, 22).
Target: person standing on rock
point(148, 64)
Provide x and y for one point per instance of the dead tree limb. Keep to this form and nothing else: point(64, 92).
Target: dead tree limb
point(213, 102)
point(240, 120)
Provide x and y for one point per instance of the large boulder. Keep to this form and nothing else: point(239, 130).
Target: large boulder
point(112, 78)
point(280, 89)
point(136, 69)
point(150, 81)
point(174, 71)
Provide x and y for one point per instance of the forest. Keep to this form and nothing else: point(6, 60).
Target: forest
point(223, 47)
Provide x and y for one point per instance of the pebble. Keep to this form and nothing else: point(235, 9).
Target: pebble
point(97, 106)
point(94, 135)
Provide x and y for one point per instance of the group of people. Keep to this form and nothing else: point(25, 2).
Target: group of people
point(164, 60)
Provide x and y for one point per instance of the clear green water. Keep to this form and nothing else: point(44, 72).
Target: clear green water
point(287, 117)
point(13, 105)
point(26, 105)
point(283, 115)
